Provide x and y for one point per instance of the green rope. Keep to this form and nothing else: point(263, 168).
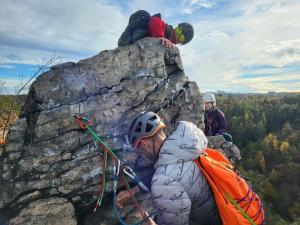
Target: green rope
point(240, 209)
point(98, 139)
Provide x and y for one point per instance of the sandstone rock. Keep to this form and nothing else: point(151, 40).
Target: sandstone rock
point(67, 156)
point(7, 175)
point(52, 211)
point(48, 153)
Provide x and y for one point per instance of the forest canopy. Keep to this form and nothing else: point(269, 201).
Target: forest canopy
point(267, 131)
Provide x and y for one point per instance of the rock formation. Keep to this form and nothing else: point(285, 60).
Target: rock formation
point(50, 171)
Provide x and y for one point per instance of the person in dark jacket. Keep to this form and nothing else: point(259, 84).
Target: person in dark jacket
point(214, 118)
point(142, 24)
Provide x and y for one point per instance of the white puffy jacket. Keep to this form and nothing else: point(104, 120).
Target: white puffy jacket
point(179, 190)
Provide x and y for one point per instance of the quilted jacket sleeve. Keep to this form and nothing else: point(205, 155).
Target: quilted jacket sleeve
point(171, 200)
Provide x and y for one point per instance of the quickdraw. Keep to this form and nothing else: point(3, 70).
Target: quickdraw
point(120, 169)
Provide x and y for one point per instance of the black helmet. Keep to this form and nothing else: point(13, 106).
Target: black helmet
point(188, 32)
point(145, 124)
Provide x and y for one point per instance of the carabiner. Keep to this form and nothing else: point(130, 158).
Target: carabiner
point(133, 176)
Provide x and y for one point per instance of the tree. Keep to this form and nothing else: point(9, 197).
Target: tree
point(260, 161)
point(287, 130)
point(284, 147)
point(266, 129)
point(294, 210)
point(9, 110)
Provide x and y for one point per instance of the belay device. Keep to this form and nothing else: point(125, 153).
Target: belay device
point(120, 169)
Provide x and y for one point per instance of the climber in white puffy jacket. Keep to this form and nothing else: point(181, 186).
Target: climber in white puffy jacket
point(179, 190)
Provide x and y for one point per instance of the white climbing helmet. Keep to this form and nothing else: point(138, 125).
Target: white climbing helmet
point(209, 97)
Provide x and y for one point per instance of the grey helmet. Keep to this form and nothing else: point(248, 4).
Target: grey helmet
point(145, 124)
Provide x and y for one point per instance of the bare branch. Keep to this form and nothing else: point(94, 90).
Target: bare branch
point(23, 86)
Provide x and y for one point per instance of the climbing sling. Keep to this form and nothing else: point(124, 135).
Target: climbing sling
point(120, 169)
point(237, 203)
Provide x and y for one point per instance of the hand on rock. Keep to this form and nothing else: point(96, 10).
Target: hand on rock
point(125, 196)
point(122, 198)
point(166, 43)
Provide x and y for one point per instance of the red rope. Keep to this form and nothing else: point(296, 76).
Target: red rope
point(132, 195)
point(104, 165)
point(101, 189)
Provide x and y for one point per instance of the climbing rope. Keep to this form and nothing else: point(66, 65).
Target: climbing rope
point(120, 169)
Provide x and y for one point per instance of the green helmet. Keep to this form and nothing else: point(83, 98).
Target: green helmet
point(188, 32)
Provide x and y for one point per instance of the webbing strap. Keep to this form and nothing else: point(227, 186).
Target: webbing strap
point(239, 208)
point(228, 166)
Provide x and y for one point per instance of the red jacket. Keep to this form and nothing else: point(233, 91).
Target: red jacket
point(157, 28)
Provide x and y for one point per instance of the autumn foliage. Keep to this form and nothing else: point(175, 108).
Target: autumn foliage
point(267, 131)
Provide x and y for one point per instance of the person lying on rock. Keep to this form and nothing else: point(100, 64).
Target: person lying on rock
point(142, 24)
point(180, 191)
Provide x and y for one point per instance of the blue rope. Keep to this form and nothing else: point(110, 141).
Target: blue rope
point(118, 214)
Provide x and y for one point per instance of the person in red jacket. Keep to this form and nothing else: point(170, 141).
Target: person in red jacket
point(141, 24)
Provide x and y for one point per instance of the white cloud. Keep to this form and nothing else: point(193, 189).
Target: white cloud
point(278, 84)
point(188, 11)
point(224, 46)
point(11, 86)
point(242, 34)
point(11, 54)
point(203, 3)
point(3, 66)
point(64, 27)
point(191, 6)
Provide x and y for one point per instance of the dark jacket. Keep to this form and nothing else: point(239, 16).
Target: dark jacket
point(142, 24)
point(215, 122)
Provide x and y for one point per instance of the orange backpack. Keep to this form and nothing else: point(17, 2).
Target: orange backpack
point(237, 203)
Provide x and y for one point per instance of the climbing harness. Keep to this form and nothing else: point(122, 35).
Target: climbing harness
point(120, 169)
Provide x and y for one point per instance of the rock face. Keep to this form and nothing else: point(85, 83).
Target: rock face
point(51, 212)
point(50, 165)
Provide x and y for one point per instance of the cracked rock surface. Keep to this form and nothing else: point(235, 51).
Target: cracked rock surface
point(51, 212)
point(50, 165)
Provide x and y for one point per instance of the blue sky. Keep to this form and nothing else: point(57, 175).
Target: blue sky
point(239, 45)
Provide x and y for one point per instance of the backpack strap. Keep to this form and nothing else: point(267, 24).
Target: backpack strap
point(221, 163)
